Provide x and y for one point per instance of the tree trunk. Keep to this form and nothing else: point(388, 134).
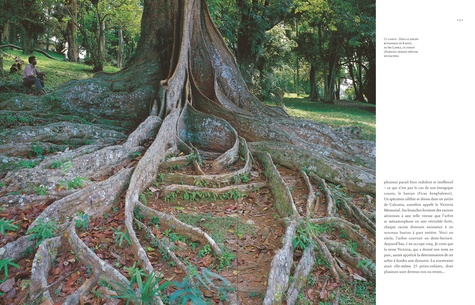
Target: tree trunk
point(190, 105)
point(329, 92)
point(314, 96)
point(73, 48)
point(120, 53)
point(370, 86)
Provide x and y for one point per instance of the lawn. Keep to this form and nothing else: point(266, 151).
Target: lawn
point(341, 114)
point(58, 71)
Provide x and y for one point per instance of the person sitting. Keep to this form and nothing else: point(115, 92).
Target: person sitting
point(31, 76)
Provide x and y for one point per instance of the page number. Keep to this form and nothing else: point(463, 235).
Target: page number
point(459, 20)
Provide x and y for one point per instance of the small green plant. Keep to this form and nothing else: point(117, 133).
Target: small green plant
point(56, 164)
point(193, 245)
point(225, 260)
point(206, 250)
point(256, 294)
point(82, 221)
point(201, 182)
point(161, 178)
point(194, 156)
point(5, 264)
point(188, 291)
point(368, 263)
point(138, 214)
point(236, 179)
point(156, 221)
point(96, 293)
point(343, 234)
point(43, 230)
point(352, 246)
point(171, 197)
point(172, 236)
point(147, 290)
point(27, 164)
point(232, 194)
point(41, 190)
point(7, 225)
point(311, 280)
point(135, 154)
point(37, 150)
point(301, 239)
point(135, 273)
point(63, 165)
point(244, 178)
point(121, 236)
point(146, 196)
point(2, 183)
point(76, 183)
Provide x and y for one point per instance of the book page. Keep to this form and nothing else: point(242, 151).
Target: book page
point(425, 164)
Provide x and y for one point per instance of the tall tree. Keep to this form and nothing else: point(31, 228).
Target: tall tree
point(185, 88)
point(334, 31)
point(27, 19)
point(72, 30)
point(256, 17)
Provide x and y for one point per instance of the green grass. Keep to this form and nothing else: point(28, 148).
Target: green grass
point(335, 115)
point(58, 71)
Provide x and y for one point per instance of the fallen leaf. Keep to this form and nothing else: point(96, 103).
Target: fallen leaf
point(359, 278)
point(107, 291)
point(324, 293)
point(72, 279)
point(332, 286)
point(310, 295)
point(7, 285)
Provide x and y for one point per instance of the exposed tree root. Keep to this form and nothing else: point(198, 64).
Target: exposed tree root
point(165, 245)
point(92, 200)
point(181, 227)
point(301, 273)
point(278, 280)
point(41, 265)
point(86, 162)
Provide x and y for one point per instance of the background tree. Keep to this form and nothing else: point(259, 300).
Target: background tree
point(125, 21)
point(25, 22)
point(333, 32)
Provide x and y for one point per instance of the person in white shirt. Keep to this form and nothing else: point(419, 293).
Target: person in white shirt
point(31, 76)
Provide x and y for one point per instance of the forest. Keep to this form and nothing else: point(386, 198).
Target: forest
point(308, 47)
point(173, 174)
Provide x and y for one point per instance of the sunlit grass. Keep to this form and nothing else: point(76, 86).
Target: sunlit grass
point(341, 114)
point(58, 71)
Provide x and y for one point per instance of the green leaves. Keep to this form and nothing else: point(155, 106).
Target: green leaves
point(7, 225)
point(188, 291)
point(147, 290)
point(121, 236)
point(82, 221)
point(43, 230)
point(5, 264)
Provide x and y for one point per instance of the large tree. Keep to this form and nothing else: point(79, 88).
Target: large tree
point(188, 101)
